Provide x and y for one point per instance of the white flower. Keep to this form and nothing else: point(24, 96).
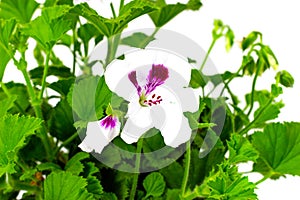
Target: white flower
point(100, 133)
point(155, 104)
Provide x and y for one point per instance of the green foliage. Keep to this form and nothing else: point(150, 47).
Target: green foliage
point(89, 97)
point(64, 185)
point(154, 185)
point(139, 40)
point(12, 139)
point(6, 30)
point(20, 10)
point(278, 147)
point(52, 21)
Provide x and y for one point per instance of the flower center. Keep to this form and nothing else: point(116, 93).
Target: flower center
point(145, 101)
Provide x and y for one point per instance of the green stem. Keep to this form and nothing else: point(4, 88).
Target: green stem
point(36, 103)
point(66, 142)
point(187, 168)
point(137, 168)
point(74, 52)
point(45, 75)
point(264, 178)
point(253, 90)
point(112, 47)
point(207, 54)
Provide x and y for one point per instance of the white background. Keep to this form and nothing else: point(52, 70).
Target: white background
point(279, 23)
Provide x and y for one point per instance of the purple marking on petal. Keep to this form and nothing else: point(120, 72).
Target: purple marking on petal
point(132, 78)
point(108, 122)
point(156, 77)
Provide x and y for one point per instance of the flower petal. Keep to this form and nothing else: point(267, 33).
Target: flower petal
point(139, 121)
point(97, 136)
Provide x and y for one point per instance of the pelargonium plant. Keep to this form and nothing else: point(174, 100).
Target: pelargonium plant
point(67, 132)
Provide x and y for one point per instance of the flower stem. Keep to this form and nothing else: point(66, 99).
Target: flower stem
point(137, 167)
point(207, 54)
point(45, 75)
point(112, 47)
point(253, 90)
point(187, 168)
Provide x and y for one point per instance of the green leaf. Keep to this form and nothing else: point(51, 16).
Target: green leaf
point(198, 79)
point(110, 27)
point(19, 90)
point(262, 115)
point(47, 166)
point(89, 97)
point(285, 78)
point(52, 22)
point(173, 175)
point(62, 86)
point(241, 150)
point(94, 187)
point(173, 194)
point(229, 39)
point(138, 40)
point(59, 71)
point(250, 39)
point(61, 121)
point(20, 10)
point(194, 117)
point(12, 139)
point(65, 186)
point(166, 12)
point(74, 165)
point(279, 148)
point(227, 183)
point(154, 184)
point(34, 150)
point(6, 104)
point(6, 30)
point(86, 32)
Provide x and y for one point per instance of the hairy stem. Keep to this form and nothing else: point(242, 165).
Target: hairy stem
point(137, 168)
point(186, 168)
point(36, 104)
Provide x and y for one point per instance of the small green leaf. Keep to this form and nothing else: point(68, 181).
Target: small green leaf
point(285, 78)
point(109, 196)
point(12, 139)
point(65, 186)
point(194, 117)
point(241, 150)
point(74, 165)
point(47, 166)
point(138, 40)
point(89, 97)
point(20, 10)
point(154, 184)
point(198, 79)
point(279, 148)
